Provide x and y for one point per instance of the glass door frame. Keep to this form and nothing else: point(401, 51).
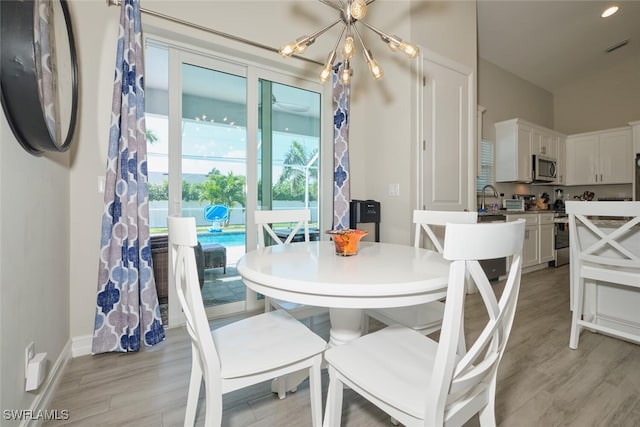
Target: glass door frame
point(177, 58)
point(252, 72)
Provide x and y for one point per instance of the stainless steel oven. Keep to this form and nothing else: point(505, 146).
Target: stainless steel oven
point(561, 239)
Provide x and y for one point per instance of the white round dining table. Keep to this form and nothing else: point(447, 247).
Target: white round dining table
point(379, 275)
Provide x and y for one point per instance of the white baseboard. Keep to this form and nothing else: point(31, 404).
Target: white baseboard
point(81, 346)
point(43, 398)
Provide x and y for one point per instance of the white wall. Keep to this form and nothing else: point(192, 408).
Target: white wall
point(384, 117)
point(600, 99)
point(507, 96)
point(34, 262)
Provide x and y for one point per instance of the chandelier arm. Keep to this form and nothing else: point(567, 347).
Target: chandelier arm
point(386, 37)
point(394, 42)
point(344, 27)
point(320, 32)
point(367, 55)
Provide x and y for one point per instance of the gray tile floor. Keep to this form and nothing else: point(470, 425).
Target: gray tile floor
point(222, 288)
point(219, 288)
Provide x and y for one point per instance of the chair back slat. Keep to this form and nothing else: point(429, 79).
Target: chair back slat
point(605, 226)
point(182, 240)
point(472, 375)
point(265, 221)
point(431, 221)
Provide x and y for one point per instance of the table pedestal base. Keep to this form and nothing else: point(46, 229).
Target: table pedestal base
point(345, 326)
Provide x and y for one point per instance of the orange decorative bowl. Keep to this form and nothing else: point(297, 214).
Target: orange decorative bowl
point(346, 240)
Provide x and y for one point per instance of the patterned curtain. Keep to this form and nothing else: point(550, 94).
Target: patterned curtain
point(341, 186)
point(127, 308)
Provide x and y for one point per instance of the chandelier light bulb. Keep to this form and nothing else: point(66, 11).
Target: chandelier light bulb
point(393, 45)
point(288, 49)
point(326, 70)
point(376, 70)
point(349, 48)
point(409, 49)
point(345, 76)
point(358, 9)
point(300, 48)
point(325, 73)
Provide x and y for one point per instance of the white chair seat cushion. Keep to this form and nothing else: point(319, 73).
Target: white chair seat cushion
point(402, 383)
point(264, 342)
point(424, 317)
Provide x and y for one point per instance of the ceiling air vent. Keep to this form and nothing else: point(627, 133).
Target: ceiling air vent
point(616, 46)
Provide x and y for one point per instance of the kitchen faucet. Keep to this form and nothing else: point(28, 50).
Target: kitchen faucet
point(495, 194)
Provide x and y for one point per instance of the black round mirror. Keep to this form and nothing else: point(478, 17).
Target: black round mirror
point(39, 85)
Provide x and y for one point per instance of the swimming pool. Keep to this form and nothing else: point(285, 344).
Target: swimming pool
point(225, 238)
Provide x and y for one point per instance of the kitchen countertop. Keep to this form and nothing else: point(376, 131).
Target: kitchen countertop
point(505, 212)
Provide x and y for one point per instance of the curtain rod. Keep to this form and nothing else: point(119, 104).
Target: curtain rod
point(210, 30)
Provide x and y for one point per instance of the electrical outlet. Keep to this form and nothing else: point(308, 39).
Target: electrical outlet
point(29, 353)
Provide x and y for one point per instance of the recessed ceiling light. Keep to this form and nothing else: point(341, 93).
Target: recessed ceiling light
point(609, 11)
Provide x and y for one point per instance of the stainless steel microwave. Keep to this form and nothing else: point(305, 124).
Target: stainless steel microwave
point(544, 169)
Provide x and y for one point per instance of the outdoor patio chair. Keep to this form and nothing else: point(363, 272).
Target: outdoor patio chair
point(216, 215)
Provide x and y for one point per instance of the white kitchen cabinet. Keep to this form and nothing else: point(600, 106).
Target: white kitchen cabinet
point(516, 141)
point(513, 151)
point(602, 157)
point(530, 247)
point(538, 245)
point(561, 166)
point(530, 244)
point(546, 238)
point(544, 143)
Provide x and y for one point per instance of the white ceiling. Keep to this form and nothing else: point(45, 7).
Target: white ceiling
point(549, 43)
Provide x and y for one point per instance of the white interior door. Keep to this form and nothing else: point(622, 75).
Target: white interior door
point(448, 117)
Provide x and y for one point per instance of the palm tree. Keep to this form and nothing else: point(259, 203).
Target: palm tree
point(296, 164)
point(223, 189)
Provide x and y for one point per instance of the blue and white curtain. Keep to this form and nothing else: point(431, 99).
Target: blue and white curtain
point(341, 185)
point(127, 309)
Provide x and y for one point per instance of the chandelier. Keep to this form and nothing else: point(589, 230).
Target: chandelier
point(351, 12)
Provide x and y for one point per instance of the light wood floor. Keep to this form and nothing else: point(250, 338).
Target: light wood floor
point(541, 381)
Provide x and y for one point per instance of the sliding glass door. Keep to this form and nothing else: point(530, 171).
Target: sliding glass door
point(288, 148)
point(226, 139)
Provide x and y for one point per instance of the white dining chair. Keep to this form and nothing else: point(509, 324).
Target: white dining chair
point(421, 382)
point(299, 218)
point(424, 318)
point(601, 254)
point(243, 353)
